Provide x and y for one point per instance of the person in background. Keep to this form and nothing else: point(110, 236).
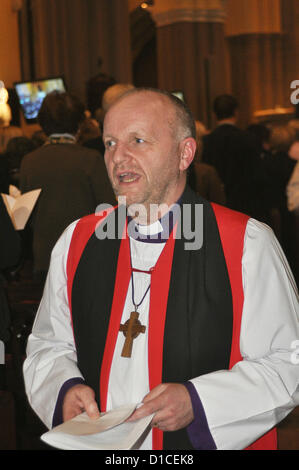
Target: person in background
point(90, 135)
point(266, 181)
point(109, 96)
point(73, 178)
point(280, 169)
point(231, 151)
point(204, 178)
point(294, 148)
point(293, 197)
point(16, 149)
point(39, 138)
point(113, 93)
point(95, 88)
point(261, 134)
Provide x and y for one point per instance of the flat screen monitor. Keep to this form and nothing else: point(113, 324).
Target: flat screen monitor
point(32, 93)
point(179, 94)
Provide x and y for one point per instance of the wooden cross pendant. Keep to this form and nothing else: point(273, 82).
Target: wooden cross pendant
point(131, 330)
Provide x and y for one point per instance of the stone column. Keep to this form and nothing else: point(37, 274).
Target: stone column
point(255, 35)
point(191, 51)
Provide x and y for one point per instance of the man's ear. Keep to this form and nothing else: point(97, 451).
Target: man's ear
point(187, 152)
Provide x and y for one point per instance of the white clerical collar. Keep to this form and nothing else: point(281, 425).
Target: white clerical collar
point(158, 231)
point(152, 229)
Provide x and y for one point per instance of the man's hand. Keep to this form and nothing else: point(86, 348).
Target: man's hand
point(171, 404)
point(77, 399)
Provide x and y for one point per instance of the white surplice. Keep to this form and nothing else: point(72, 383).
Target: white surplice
point(240, 404)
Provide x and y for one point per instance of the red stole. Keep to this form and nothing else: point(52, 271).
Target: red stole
point(232, 239)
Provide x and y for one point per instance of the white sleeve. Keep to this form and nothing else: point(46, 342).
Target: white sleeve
point(245, 402)
point(51, 354)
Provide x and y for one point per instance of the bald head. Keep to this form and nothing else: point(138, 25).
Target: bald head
point(179, 116)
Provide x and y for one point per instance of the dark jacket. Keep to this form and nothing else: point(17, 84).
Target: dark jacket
point(73, 180)
point(232, 152)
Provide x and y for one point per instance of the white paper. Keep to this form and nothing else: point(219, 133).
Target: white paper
point(109, 432)
point(14, 191)
point(19, 208)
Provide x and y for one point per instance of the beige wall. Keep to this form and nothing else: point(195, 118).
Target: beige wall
point(10, 69)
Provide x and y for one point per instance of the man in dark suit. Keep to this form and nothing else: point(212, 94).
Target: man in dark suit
point(73, 178)
point(231, 151)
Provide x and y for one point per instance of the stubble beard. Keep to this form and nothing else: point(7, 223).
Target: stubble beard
point(148, 205)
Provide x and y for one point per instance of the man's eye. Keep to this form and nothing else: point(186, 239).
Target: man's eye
point(138, 140)
point(109, 143)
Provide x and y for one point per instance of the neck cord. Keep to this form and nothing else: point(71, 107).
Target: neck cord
point(132, 277)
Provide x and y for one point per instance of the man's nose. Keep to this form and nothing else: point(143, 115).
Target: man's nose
point(120, 153)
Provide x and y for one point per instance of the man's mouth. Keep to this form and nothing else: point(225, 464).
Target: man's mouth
point(127, 177)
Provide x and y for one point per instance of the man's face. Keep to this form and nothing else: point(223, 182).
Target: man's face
point(142, 154)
